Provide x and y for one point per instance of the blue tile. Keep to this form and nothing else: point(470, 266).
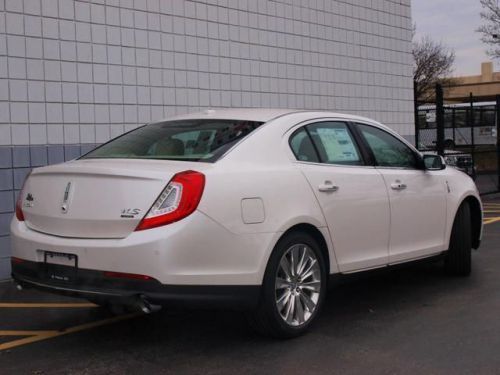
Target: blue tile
point(19, 176)
point(55, 154)
point(38, 156)
point(6, 179)
point(4, 268)
point(71, 152)
point(5, 157)
point(5, 224)
point(21, 156)
point(6, 201)
point(5, 249)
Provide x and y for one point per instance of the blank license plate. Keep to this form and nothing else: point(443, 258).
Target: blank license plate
point(60, 266)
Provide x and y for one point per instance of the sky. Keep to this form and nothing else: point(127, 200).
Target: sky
point(454, 22)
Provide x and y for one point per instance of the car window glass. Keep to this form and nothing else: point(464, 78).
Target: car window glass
point(335, 143)
point(302, 147)
point(387, 149)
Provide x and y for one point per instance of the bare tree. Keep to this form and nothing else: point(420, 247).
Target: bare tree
point(491, 28)
point(433, 63)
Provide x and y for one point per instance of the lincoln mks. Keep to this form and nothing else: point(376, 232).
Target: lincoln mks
point(240, 208)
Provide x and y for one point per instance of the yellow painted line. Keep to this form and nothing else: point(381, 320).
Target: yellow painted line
point(23, 333)
point(491, 220)
point(46, 305)
point(44, 335)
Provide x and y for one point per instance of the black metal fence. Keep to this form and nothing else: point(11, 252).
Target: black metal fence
point(466, 134)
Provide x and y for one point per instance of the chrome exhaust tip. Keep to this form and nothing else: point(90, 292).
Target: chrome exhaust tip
point(146, 307)
point(19, 287)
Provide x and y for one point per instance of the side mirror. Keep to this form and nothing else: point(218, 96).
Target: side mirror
point(434, 163)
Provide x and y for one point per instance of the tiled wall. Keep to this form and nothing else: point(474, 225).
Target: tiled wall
point(75, 73)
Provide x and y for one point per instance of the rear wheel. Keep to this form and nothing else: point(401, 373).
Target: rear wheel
point(458, 258)
point(294, 288)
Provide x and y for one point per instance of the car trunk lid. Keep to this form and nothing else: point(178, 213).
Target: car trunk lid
point(96, 198)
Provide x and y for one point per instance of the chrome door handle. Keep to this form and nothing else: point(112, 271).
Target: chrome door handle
point(328, 187)
point(398, 186)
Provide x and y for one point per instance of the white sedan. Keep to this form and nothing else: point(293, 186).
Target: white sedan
point(249, 208)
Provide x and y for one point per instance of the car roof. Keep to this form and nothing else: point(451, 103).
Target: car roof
point(259, 114)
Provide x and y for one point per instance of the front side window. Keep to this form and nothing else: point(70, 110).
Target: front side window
point(387, 149)
point(188, 140)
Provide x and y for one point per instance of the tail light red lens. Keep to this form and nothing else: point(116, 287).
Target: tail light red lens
point(19, 202)
point(178, 200)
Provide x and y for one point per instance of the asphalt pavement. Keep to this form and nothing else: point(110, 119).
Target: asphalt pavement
point(412, 320)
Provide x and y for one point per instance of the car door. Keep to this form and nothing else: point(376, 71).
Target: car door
point(351, 194)
point(417, 197)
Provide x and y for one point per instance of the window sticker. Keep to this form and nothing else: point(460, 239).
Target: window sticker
point(338, 144)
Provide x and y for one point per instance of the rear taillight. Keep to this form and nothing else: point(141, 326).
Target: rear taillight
point(178, 200)
point(19, 202)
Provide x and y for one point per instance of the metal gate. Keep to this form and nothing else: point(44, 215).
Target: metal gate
point(465, 134)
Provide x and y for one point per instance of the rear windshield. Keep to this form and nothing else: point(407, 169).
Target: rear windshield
point(188, 140)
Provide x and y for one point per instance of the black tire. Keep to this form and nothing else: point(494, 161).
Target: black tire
point(266, 319)
point(458, 257)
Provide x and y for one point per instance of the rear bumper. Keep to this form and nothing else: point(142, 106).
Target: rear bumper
point(95, 286)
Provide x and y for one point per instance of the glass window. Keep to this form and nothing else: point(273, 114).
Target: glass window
point(335, 143)
point(302, 147)
point(190, 140)
point(387, 149)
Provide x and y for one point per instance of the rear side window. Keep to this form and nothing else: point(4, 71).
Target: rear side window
point(387, 149)
point(326, 142)
point(188, 140)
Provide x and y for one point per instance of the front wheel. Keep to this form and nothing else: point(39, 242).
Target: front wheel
point(458, 258)
point(294, 288)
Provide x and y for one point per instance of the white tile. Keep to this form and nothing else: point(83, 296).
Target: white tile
point(71, 134)
point(66, 9)
point(115, 74)
point(20, 134)
point(85, 93)
point(31, 6)
point(49, 8)
point(87, 133)
point(53, 91)
point(97, 13)
point(4, 112)
point(33, 26)
point(18, 90)
point(116, 113)
point(50, 28)
point(38, 134)
point(55, 134)
point(130, 113)
point(130, 94)
point(114, 54)
point(16, 46)
point(68, 51)
point(34, 47)
point(84, 72)
point(52, 70)
point(17, 67)
point(51, 49)
point(98, 33)
point(14, 23)
point(70, 92)
point(82, 11)
point(18, 112)
point(100, 73)
point(4, 89)
point(84, 52)
point(114, 35)
point(37, 113)
point(86, 113)
point(115, 94)
point(112, 16)
point(70, 113)
point(36, 91)
point(83, 33)
point(67, 29)
point(54, 112)
point(101, 93)
point(102, 114)
point(99, 53)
